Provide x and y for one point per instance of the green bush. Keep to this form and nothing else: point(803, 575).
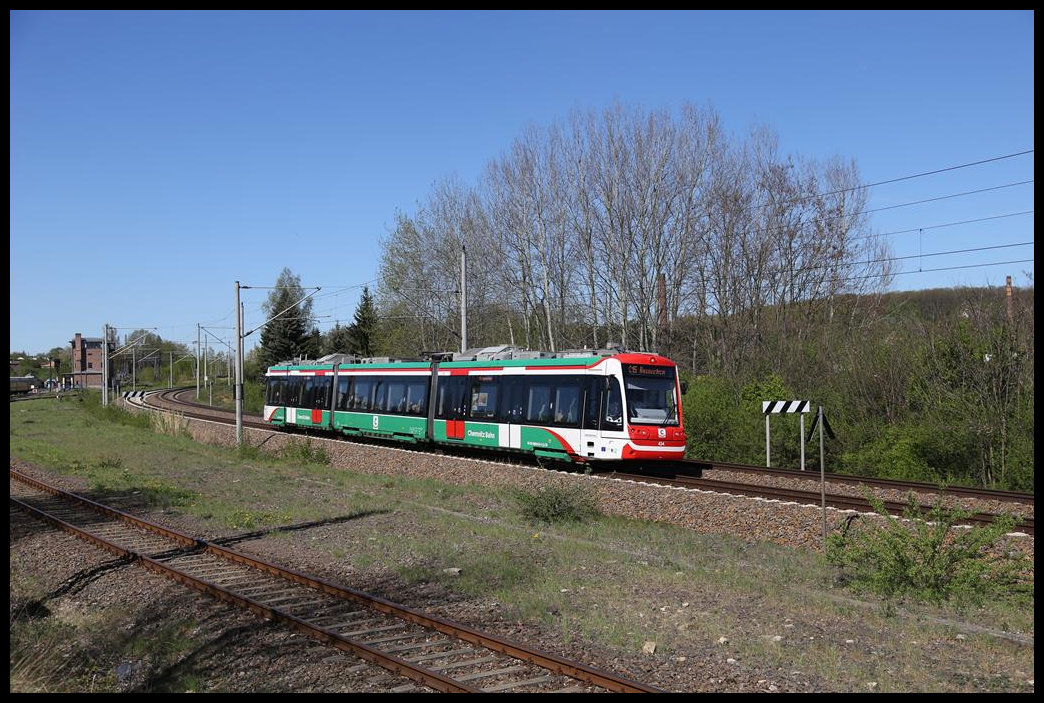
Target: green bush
point(551, 504)
point(928, 557)
point(253, 397)
point(305, 452)
point(710, 415)
point(899, 453)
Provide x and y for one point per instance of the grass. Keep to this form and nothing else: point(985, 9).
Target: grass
point(103, 650)
point(614, 581)
point(222, 397)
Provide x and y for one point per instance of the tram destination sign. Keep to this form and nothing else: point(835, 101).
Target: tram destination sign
point(649, 371)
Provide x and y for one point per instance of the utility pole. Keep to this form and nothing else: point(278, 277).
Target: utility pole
point(240, 336)
point(1009, 302)
point(197, 360)
point(171, 385)
point(206, 371)
point(105, 365)
point(822, 474)
point(661, 317)
point(239, 370)
point(463, 299)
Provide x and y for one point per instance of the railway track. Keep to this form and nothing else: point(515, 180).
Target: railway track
point(702, 466)
point(39, 396)
point(839, 501)
point(686, 477)
point(432, 652)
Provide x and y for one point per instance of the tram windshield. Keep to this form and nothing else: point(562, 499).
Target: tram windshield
point(650, 391)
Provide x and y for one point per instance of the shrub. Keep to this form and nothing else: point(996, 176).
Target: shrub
point(929, 557)
point(552, 504)
point(173, 424)
point(305, 452)
point(253, 397)
point(898, 453)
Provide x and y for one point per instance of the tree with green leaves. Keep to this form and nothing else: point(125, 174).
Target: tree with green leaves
point(287, 333)
point(362, 331)
point(337, 340)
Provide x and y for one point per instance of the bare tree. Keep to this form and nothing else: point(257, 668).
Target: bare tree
point(576, 226)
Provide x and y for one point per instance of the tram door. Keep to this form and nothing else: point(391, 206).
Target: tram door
point(513, 390)
point(592, 406)
point(453, 403)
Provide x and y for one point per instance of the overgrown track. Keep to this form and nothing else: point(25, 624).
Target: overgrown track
point(431, 651)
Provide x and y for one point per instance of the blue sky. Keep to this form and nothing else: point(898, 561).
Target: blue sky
point(158, 157)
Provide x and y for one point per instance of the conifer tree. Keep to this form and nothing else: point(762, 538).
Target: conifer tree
point(286, 334)
point(362, 331)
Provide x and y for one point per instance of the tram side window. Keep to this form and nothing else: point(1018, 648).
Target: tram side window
point(343, 390)
point(485, 393)
point(417, 397)
point(362, 391)
point(397, 395)
point(276, 385)
point(538, 403)
point(612, 418)
point(380, 396)
point(566, 404)
point(313, 392)
point(304, 400)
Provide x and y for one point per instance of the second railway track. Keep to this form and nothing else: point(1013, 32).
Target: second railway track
point(431, 651)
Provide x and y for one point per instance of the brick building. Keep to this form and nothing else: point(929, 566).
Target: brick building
point(87, 362)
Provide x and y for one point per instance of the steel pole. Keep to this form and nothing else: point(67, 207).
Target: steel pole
point(463, 299)
point(105, 365)
point(802, 430)
point(768, 451)
point(239, 370)
point(206, 369)
point(822, 475)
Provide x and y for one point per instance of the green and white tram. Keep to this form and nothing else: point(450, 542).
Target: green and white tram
point(579, 406)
